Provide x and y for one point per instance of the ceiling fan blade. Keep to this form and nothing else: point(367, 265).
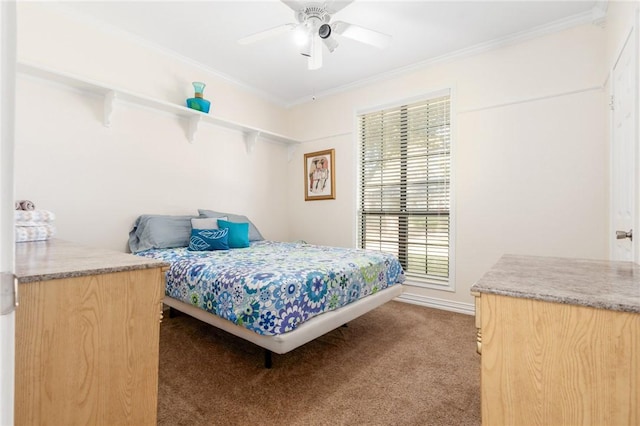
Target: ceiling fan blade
point(334, 6)
point(295, 5)
point(331, 43)
point(315, 60)
point(266, 33)
point(361, 34)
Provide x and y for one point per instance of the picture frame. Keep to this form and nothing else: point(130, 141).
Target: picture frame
point(319, 175)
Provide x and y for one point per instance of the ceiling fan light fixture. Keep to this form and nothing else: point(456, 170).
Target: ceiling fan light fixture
point(324, 31)
point(305, 47)
point(300, 36)
point(315, 28)
point(330, 43)
point(315, 59)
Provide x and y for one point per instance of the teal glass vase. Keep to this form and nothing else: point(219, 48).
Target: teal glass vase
point(198, 102)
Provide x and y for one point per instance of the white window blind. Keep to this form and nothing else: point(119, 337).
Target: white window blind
point(405, 157)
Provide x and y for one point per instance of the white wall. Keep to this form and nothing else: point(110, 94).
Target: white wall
point(48, 35)
point(531, 176)
point(96, 179)
point(621, 16)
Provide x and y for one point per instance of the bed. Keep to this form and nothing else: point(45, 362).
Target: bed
point(277, 295)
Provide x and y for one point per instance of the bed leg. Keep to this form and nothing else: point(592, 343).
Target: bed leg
point(267, 358)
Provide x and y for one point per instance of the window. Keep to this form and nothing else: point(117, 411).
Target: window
point(404, 203)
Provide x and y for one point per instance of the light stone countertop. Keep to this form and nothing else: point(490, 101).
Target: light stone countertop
point(595, 283)
point(55, 259)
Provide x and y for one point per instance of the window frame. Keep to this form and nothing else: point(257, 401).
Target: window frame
point(413, 280)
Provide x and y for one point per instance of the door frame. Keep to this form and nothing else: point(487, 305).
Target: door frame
point(7, 244)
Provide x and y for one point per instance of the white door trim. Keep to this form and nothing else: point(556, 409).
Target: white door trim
point(7, 244)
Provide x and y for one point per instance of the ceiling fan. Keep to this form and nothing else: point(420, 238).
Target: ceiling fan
point(314, 28)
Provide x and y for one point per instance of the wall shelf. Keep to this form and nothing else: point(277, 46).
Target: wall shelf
point(113, 95)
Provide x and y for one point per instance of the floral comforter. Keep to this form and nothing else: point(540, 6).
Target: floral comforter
point(272, 287)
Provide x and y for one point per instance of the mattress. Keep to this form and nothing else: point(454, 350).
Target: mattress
point(272, 287)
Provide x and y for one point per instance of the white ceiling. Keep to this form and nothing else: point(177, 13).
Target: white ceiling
point(422, 31)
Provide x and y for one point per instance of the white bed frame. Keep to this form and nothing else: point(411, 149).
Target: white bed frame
point(307, 331)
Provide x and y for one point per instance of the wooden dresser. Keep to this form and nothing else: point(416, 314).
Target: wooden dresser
point(87, 335)
point(560, 342)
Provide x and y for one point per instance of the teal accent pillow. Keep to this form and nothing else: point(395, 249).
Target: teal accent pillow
point(209, 240)
point(238, 233)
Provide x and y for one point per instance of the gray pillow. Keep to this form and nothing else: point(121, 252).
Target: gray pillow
point(254, 234)
point(159, 231)
point(206, 222)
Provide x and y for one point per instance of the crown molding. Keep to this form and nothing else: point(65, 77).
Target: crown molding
point(599, 12)
point(587, 17)
point(101, 25)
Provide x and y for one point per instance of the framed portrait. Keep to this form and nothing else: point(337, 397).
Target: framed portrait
point(319, 175)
